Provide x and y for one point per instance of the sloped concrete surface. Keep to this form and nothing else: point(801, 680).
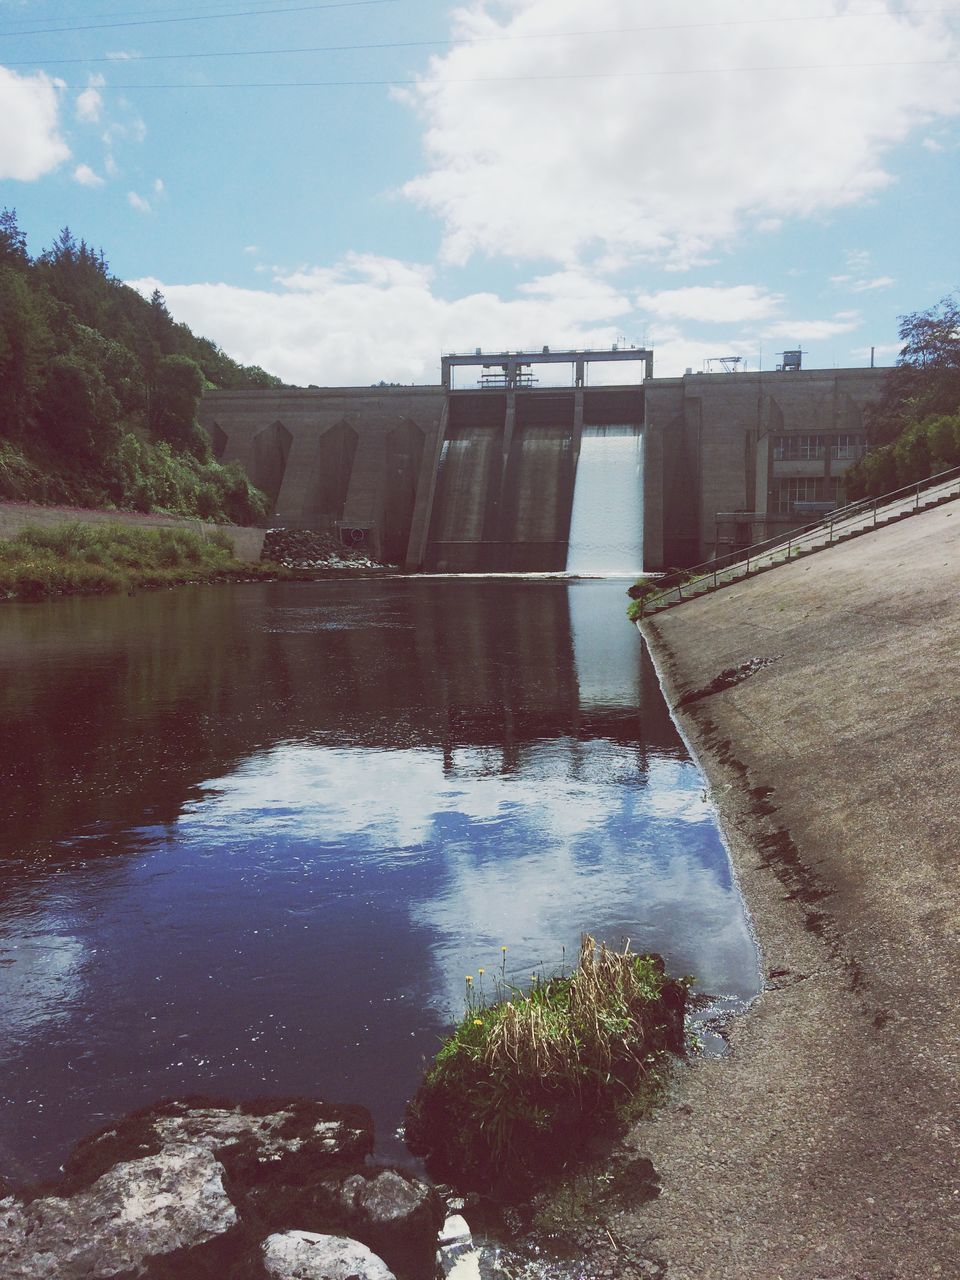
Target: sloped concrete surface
point(824, 1146)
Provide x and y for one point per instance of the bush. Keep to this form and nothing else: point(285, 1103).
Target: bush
point(512, 1091)
point(73, 559)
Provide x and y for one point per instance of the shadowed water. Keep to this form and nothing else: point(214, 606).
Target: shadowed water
point(254, 837)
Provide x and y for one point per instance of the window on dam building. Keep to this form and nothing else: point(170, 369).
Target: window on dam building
point(794, 491)
point(814, 448)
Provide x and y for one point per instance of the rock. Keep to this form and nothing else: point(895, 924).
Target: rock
point(304, 1255)
point(457, 1256)
point(280, 1141)
point(397, 1215)
point(138, 1210)
point(466, 1266)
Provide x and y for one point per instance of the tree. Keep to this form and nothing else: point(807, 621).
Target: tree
point(78, 413)
point(174, 403)
point(13, 242)
point(926, 379)
point(24, 341)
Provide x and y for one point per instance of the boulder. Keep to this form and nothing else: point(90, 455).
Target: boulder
point(457, 1256)
point(138, 1210)
point(279, 1141)
point(304, 1255)
point(396, 1214)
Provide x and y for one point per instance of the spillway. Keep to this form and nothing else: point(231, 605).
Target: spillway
point(606, 526)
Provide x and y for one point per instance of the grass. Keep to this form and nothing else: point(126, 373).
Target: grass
point(516, 1087)
point(84, 559)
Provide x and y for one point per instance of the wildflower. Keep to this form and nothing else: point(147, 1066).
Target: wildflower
point(469, 979)
point(478, 1022)
point(481, 972)
point(504, 950)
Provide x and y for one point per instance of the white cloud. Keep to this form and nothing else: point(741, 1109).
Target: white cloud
point(134, 130)
point(856, 278)
point(90, 101)
point(30, 140)
point(878, 282)
point(712, 304)
point(251, 248)
point(86, 176)
point(138, 202)
point(159, 187)
point(367, 318)
point(664, 154)
point(110, 165)
point(121, 55)
point(931, 144)
point(814, 330)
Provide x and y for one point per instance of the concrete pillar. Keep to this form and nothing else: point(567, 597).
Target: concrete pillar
point(652, 498)
point(426, 493)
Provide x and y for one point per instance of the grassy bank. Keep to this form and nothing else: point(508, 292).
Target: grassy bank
point(522, 1081)
point(80, 559)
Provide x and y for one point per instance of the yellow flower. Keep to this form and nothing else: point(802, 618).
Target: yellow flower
point(478, 1022)
point(481, 972)
point(469, 979)
point(504, 950)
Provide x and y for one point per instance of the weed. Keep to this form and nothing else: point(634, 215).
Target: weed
point(512, 1090)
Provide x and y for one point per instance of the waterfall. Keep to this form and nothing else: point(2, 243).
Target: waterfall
point(606, 527)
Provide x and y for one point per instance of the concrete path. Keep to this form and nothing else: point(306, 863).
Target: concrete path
point(825, 1144)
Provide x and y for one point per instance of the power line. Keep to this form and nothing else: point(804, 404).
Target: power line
point(438, 42)
point(203, 17)
point(575, 75)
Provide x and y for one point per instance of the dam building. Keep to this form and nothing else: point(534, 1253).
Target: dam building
point(508, 475)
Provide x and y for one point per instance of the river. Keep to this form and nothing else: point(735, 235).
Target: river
point(256, 836)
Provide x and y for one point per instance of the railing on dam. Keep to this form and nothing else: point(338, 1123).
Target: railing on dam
point(838, 526)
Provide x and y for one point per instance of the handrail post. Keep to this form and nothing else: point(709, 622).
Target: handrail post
point(917, 502)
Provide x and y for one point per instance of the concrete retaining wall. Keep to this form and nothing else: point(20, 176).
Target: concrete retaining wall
point(14, 516)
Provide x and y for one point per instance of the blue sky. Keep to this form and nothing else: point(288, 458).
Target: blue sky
point(707, 177)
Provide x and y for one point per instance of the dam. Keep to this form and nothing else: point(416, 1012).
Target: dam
point(491, 477)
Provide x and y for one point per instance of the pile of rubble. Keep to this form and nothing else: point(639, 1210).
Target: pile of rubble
point(202, 1188)
point(311, 549)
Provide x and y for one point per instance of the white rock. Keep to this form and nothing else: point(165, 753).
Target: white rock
point(465, 1267)
point(137, 1210)
point(455, 1230)
point(304, 1255)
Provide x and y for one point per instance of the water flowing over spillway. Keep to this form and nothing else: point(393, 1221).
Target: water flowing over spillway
point(606, 528)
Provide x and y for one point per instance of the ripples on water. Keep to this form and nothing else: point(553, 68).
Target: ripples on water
point(255, 837)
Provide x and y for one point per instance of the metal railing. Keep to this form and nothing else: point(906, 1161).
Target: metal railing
point(855, 517)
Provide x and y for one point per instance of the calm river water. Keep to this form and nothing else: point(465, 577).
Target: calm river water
point(254, 837)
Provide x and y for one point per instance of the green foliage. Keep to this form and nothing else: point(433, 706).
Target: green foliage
point(72, 559)
point(77, 412)
point(174, 405)
point(99, 389)
point(521, 1080)
point(923, 449)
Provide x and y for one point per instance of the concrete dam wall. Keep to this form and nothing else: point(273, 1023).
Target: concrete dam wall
point(445, 481)
point(484, 479)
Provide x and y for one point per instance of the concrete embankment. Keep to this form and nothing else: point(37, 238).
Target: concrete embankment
point(247, 542)
point(825, 1144)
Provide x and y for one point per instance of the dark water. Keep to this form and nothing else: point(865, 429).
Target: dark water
point(254, 837)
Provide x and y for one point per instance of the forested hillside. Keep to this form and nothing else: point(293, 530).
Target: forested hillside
point(99, 391)
point(914, 430)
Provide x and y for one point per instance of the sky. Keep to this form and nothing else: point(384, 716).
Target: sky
point(339, 192)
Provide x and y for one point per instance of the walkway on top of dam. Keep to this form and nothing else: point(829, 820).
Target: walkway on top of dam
point(824, 1145)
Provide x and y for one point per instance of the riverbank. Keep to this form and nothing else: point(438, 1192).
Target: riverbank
point(104, 557)
point(824, 1144)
